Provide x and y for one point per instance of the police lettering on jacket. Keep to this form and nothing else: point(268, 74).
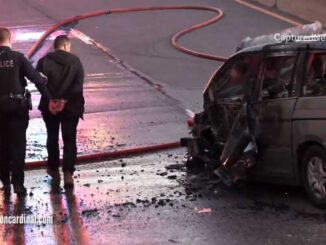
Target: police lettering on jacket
point(6, 63)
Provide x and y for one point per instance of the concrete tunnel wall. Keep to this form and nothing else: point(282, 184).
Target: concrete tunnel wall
point(310, 10)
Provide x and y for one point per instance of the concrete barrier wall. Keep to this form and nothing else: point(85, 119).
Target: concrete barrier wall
point(310, 10)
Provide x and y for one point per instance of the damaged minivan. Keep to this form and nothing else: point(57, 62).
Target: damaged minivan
point(264, 118)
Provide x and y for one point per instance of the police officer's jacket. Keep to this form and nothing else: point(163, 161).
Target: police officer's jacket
point(14, 67)
point(65, 80)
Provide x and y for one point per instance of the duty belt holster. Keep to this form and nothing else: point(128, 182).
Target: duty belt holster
point(28, 97)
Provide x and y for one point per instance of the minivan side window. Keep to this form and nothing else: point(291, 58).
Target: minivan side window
point(276, 78)
point(315, 80)
point(238, 78)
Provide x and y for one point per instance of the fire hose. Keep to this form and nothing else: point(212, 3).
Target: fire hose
point(174, 40)
point(175, 44)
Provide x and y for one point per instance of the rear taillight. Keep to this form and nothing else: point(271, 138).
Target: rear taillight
point(190, 122)
point(191, 119)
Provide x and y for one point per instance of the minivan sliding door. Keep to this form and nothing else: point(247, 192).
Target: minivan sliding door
point(272, 117)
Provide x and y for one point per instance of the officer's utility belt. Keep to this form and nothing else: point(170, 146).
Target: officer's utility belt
point(26, 96)
point(13, 96)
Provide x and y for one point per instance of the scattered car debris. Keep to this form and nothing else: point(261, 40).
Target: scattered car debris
point(90, 212)
point(203, 210)
point(175, 167)
point(172, 177)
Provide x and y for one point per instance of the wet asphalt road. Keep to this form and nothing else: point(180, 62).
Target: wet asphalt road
point(151, 200)
point(137, 200)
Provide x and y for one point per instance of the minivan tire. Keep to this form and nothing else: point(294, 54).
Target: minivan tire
point(314, 174)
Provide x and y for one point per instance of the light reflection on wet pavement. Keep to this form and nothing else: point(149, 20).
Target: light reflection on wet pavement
point(105, 192)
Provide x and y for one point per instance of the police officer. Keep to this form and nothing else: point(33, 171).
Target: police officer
point(65, 75)
point(14, 67)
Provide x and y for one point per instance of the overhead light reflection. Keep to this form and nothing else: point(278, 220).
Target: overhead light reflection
point(26, 36)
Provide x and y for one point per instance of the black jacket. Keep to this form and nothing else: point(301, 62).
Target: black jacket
point(14, 67)
point(65, 74)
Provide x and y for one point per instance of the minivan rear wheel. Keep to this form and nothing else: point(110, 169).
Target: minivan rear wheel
point(314, 175)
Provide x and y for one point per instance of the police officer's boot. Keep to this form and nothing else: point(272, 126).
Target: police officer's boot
point(6, 186)
point(68, 179)
point(20, 189)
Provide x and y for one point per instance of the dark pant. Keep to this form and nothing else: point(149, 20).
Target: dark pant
point(13, 125)
point(69, 131)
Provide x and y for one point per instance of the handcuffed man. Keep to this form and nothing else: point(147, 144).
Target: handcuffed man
point(65, 80)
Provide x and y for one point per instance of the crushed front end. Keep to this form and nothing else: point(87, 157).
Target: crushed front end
point(209, 130)
point(221, 133)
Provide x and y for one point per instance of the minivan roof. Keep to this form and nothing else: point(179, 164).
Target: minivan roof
point(313, 45)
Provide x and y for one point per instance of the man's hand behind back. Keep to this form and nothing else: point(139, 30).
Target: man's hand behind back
point(56, 106)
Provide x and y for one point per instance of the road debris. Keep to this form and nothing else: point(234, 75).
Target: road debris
point(203, 210)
